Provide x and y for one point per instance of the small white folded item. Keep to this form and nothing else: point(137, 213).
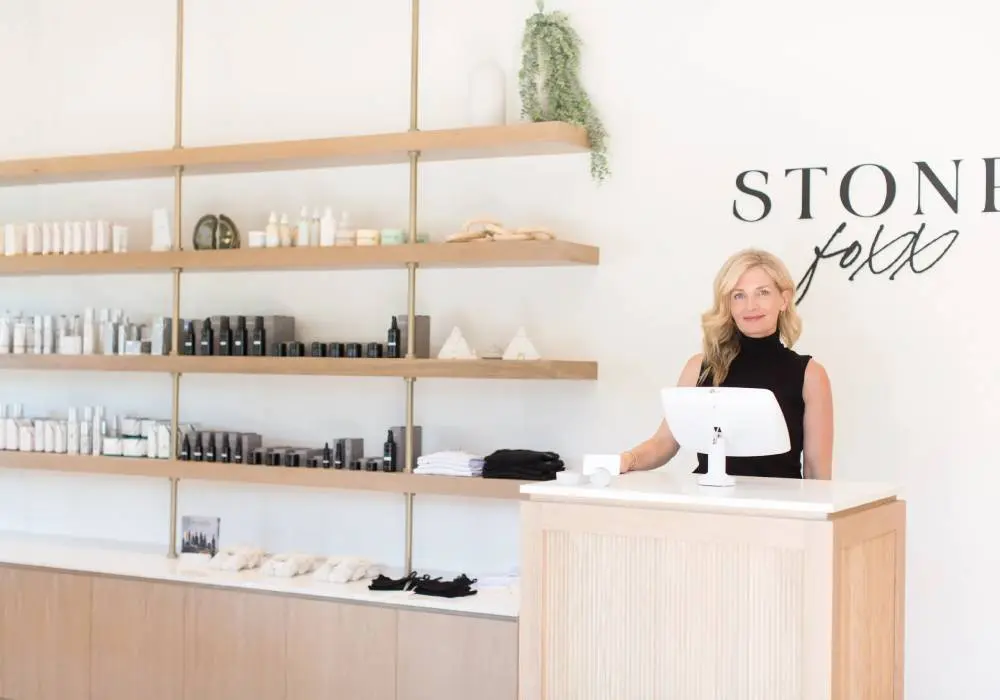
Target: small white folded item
point(237, 558)
point(289, 565)
point(345, 570)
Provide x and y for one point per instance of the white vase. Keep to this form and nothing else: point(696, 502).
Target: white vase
point(487, 98)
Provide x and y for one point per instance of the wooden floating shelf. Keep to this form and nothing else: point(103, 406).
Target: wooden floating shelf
point(88, 363)
point(365, 367)
point(526, 139)
point(470, 487)
point(312, 366)
point(426, 255)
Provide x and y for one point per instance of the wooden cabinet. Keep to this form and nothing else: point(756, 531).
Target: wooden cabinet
point(44, 635)
point(136, 640)
point(67, 636)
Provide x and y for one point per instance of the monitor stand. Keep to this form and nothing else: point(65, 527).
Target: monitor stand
point(716, 474)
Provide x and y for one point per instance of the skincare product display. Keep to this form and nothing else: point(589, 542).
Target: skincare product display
point(63, 238)
point(456, 347)
point(488, 231)
point(274, 336)
point(84, 432)
point(321, 231)
point(339, 453)
point(100, 332)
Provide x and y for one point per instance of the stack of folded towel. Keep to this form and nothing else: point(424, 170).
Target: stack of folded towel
point(528, 465)
point(450, 463)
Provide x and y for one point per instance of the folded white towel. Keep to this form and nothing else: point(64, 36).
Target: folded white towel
point(237, 558)
point(289, 565)
point(345, 570)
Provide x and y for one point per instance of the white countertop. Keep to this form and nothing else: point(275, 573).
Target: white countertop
point(499, 600)
point(801, 498)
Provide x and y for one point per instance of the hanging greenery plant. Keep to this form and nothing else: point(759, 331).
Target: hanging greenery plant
point(550, 82)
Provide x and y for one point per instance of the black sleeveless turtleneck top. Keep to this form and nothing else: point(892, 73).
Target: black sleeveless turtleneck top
point(764, 363)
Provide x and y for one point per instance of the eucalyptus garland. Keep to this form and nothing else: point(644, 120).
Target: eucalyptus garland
point(550, 82)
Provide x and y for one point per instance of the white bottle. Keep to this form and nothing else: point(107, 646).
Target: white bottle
point(271, 232)
point(72, 433)
point(3, 426)
point(38, 336)
point(103, 243)
point(77, 237)
point(6, 333)
point(314, 229)
point(46, 238)
point(67, 238)
point(33, 239)
point(88, 332)
point(86, 438)
point(60, 432)
point(328, 229)
point(57, 239)
point(20, 336)
point(302, 232)
point(285, 232)
point(89, 237)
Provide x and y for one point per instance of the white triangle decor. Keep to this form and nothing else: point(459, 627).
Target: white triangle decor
point(456, 347)
point(521, 348)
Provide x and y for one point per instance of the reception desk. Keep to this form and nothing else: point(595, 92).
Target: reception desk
point(655, 587)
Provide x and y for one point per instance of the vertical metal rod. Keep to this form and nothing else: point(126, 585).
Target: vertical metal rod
point(175, 397)
point(411, 273)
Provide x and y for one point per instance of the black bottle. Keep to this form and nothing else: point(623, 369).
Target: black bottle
point(238, 450)
point(206, 344)
point(240, 337)
point(389, 454)
point(327, 460)
point(210, 448)
point(185, 455)
point(198, 453)
point(374, 350)
point(392, 340)
point(226, 453)
point(225, 337)
point(258, 339)
point(187, 341)
point(338, 455)
point(318, 350)
point(296, 349)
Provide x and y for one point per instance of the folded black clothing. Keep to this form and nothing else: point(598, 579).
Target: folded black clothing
point(527, 472)
point(510, 457)
point(384, 583)
point(458, 587)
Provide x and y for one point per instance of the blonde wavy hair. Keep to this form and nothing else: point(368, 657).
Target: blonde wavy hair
point(720, 340)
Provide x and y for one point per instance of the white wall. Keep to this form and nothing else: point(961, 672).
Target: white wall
point(692, 95)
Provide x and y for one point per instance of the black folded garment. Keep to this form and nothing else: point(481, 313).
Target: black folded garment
point(458, 587)
point(527, 465)
point(384, 583)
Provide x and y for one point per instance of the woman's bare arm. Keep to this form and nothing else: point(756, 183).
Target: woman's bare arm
point(817, 424)
point(661, 447)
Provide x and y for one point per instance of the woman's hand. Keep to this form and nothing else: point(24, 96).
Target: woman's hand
point(626, 462)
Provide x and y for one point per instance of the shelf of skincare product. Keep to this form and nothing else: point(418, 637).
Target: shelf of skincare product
point(274, 336)
point(86, 431)
point(322, 231)
point(63, 238)
point(227, 447)
point(94, 332)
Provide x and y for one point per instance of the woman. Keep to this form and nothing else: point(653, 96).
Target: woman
point(754, 312)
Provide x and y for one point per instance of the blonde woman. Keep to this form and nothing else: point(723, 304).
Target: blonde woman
point(747, 339)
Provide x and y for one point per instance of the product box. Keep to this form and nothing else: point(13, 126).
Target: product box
point(422, 339)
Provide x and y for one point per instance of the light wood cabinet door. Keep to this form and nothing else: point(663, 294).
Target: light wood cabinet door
point(234, 645)
point(339, 650)
point(44, 635)
point(137, 640)
point(456, 657)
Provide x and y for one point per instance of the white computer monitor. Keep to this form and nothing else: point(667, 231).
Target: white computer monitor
point(721, 421)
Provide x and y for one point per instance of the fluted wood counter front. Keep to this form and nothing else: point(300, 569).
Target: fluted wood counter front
point(655, 587)
point(81, 623)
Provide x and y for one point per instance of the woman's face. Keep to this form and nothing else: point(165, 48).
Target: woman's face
point(755, 303)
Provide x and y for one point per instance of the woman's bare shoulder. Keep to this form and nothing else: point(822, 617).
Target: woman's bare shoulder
point(691, 371)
